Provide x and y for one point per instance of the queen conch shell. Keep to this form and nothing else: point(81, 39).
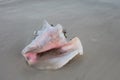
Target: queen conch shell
point(50, 49)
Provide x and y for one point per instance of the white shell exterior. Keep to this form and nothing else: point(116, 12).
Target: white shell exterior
point(44, 42)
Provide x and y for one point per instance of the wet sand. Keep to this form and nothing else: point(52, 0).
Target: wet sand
point(95, 22)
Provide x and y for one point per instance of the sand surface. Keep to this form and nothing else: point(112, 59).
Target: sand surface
point(95, 22)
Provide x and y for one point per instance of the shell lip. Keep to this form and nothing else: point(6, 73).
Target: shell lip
point(54, 53)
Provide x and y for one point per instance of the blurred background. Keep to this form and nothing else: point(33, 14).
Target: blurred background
point(95, 22)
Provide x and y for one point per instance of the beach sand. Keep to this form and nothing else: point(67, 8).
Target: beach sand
point(95, 22)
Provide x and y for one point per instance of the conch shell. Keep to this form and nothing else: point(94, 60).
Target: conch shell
point(50, 49)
